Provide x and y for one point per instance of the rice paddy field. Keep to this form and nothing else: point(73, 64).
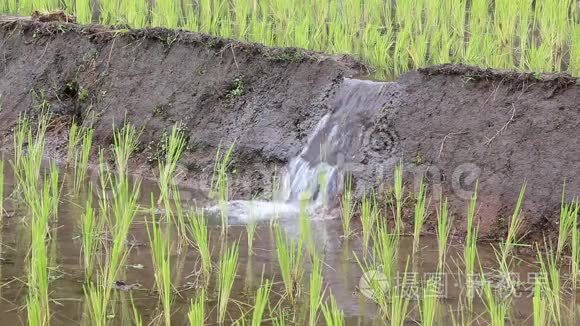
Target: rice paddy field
point(392, 37)
point(84, 245)
point(86, 240)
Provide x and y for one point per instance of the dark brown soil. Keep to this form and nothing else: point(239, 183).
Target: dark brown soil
point(264, 100)
point(455, 123)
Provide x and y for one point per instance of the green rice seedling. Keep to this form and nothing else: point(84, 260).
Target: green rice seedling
point(380, 267)
point(38, 265)
point(444, 225)
point(123, 202)
point(81, 159)
point(375, 285)
point(83, 11)
point(574, 64)
point(8, 6)
point(552, 287)
point(207, 18)
point(196, 314)
point(506, 12)
point(106, 11)
point(279, 320)
point(124, 208)
point(316, 290)
point(385, 251)
point(28, 167)
point(74, 136)
point(567, 223)
point(511, 241)
point(428, 306)
point(420, 215)
point(368, 218)
point(290, 259)
point(460, 318)
point(539, 56)
point(404, 24)
point(54, 189)
point(552, 18)
point(136, 13)
point(418, 49)
point(242, 14)
point(262, 297)
point(20, 133)
point(470, 258)
point(40, 206)
point(123, 311)
point(377, 44)
point(95, 300)
point(104, 181)
point(398, 191)
point(333, 316)
point(457, 10)
point(249, 280)
point(391, 38)
point(176, 213)
point(575, 264)
point(174, 145)
point(497, 309)
point(470, 248)
point(305, 228)
point(34, 313)
point(125, 141)
point(251, 234)
point(400, 301)
point(225, 21)
point(219, 182)
point(516, 223)
point(161, 255)
point(525, 15)
point(240, 321)
point(539, 304)
point(226, 275)
point(137, 320)
point(91, 228)
point(190, 12)
point(200, 235)
point(347, 207)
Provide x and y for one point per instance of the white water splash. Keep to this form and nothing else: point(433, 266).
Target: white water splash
point(313, 180)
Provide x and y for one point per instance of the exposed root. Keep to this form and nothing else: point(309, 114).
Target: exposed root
point(445, 138)
point(512, 118)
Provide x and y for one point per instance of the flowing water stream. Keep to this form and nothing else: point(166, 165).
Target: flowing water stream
point(315, 177)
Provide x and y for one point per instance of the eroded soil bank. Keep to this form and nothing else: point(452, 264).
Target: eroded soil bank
point(453, 124)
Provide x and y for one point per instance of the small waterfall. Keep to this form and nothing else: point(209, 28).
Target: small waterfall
point(315, 176)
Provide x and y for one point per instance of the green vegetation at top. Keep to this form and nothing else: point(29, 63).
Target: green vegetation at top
point(391, 36)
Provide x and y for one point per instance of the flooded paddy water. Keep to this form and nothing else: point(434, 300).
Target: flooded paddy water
point(342, 271)
point(97, 245)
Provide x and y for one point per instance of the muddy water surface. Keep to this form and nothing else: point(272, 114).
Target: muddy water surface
point(342, 273)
